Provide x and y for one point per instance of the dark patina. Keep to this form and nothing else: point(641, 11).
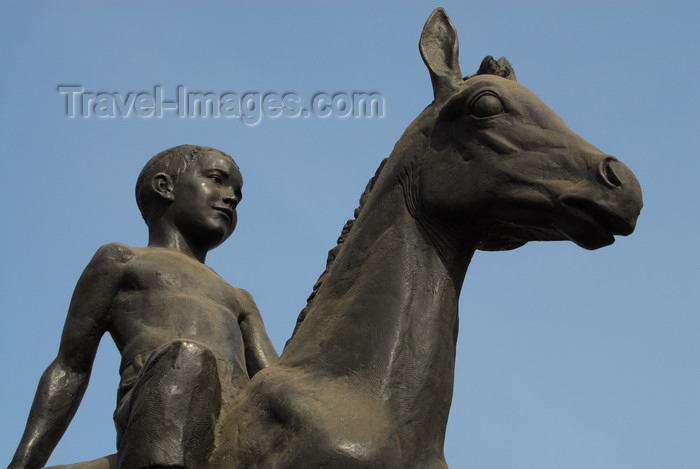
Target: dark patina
point(366, 380)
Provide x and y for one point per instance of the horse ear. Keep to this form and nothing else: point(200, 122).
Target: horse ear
point(439, 48)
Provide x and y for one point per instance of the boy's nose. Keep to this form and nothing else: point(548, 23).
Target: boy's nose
point(231, 199)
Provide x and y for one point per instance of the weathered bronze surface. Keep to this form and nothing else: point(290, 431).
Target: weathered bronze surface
point(366, 379)
point(189, 341)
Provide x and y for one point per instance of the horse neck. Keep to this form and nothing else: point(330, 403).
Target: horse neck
point(386, 314)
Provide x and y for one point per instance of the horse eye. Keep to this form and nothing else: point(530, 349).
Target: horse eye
point(486, 105)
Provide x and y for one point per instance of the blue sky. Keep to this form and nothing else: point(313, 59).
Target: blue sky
point(566, 358)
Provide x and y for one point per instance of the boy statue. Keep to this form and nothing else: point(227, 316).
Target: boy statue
point(189, 341)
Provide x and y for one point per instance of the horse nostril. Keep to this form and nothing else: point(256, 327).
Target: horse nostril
point(607, 172)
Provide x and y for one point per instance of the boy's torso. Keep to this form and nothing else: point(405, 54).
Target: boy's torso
point(164, 296)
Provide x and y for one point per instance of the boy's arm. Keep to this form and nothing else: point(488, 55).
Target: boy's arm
point(259, 351)
point(63, 383)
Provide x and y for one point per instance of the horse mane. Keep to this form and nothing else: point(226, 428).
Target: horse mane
point(489, 66)
point(339, 243)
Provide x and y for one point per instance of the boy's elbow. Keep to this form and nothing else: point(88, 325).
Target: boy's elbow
point(60, 379)
point(72, 366)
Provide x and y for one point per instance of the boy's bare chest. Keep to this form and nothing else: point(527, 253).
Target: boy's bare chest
point(173, 272)
point(163, 297)
point(157, 277)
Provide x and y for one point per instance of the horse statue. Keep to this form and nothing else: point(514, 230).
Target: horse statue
point(366, 379)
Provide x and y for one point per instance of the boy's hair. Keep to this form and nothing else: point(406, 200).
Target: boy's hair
point(173, 162)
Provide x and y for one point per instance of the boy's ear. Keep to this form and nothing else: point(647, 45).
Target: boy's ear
point(163, 184)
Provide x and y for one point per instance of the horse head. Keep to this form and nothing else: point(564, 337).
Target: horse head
point(500, 165)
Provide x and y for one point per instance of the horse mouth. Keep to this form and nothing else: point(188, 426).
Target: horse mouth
point(591, 225)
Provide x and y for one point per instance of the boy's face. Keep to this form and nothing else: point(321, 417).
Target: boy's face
point(205, 199)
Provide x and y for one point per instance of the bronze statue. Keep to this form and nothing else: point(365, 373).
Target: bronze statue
point(366, 379)
point(189, 341)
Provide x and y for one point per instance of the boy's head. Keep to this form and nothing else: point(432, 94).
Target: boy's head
point(173, 162)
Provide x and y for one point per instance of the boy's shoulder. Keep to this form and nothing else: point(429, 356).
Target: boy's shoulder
point(243, 294)
point(115, 252)
point(109, 262)
point(122, 253)
point(244, 299)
